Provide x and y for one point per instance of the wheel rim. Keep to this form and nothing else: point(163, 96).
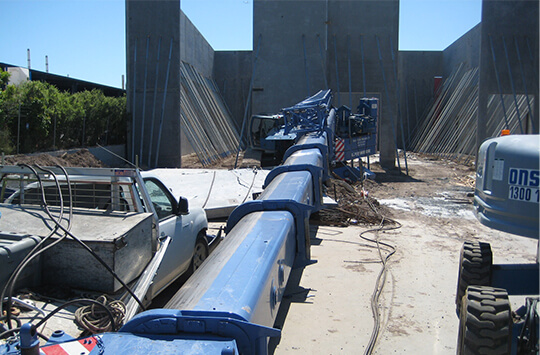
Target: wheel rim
point(199, 255)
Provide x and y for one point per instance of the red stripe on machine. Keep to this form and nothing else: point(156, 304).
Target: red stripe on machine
point(340, 149)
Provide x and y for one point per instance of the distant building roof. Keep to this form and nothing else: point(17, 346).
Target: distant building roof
point(65, 83)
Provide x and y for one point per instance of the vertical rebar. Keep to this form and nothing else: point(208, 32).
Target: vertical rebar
point(305, 64)
point(322, 62)
point(389, 105)
point(349, 68)
point(337, 72)
point(144, 98)
point(133, 98)
point(158, 143)
point(19, 128)
point(394, 66)
point(246, 108)
point(154, 105)
point(363, 67)
point(408, 117)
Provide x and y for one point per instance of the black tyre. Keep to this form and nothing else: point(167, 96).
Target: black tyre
point(200, 252)
point(475, 265)
point(485, 322)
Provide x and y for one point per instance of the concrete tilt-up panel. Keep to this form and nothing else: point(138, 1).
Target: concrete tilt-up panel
point(153, 86)
point(301, 47)
point(508, 59)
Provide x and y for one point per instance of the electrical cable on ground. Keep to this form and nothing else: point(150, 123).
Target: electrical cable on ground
point(209, 190)
point(381, 277)
point(255, 171)
point(379, 283)
point(94, 319)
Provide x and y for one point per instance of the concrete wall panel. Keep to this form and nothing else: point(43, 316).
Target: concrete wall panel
point(465, 50)
point(506, 24)
point(146, 23)
point(195, 50)
point(232, 73)
point(278, 30)
point(287, 73)
point(417, 70)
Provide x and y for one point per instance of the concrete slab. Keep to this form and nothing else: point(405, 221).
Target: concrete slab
point(218, 192)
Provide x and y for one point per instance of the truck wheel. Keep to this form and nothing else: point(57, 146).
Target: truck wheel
point(485, 322)
point(475, 264)
point(200, 253)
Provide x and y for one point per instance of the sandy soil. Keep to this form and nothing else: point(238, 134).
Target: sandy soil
point(327, 306)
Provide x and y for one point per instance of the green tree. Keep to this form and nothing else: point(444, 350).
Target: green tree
point(51, 119)
point(4, 78)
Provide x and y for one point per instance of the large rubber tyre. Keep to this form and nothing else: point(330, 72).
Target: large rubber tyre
point(475, 264)
point(200, 252)
point(485, 322)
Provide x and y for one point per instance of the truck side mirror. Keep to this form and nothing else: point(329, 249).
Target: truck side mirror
point(183, 206)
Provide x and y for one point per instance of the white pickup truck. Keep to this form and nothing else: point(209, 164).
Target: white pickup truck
point(123, 215)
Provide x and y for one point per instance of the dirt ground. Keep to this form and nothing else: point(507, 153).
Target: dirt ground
point(328, 306)
point(79, 158)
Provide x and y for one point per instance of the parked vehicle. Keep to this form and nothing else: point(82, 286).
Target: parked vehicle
point(130, 219)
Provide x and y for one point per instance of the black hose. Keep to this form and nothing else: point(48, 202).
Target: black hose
point(379, 285)
point(58, 309)
point(35, 251)
point(97, 257)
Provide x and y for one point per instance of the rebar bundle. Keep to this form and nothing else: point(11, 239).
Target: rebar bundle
point(448, 129)
point(205, 119)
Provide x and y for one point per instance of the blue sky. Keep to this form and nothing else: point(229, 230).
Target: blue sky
point(85, 39)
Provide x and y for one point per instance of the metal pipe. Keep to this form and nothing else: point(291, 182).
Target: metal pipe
point(337, 72)
point(394, 66)
point(408, 117)
point(363, 67)
point(388, 98)
point(512, 84)
point(349, 67)
point(133, 98)
point(322, 63)
point(154, 104)
point(19, 128)
point(248, 100)
point(163, 104)
point(305, 64)
point(144, 98)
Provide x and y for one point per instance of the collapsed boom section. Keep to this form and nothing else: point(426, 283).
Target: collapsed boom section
point(229, 305)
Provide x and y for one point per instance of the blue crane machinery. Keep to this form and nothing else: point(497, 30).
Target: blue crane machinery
point(229, 305)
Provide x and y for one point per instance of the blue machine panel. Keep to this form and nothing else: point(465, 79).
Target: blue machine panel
point(252, 282)
point(507, 184)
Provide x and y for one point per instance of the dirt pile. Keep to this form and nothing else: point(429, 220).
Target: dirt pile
point(80, 158)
